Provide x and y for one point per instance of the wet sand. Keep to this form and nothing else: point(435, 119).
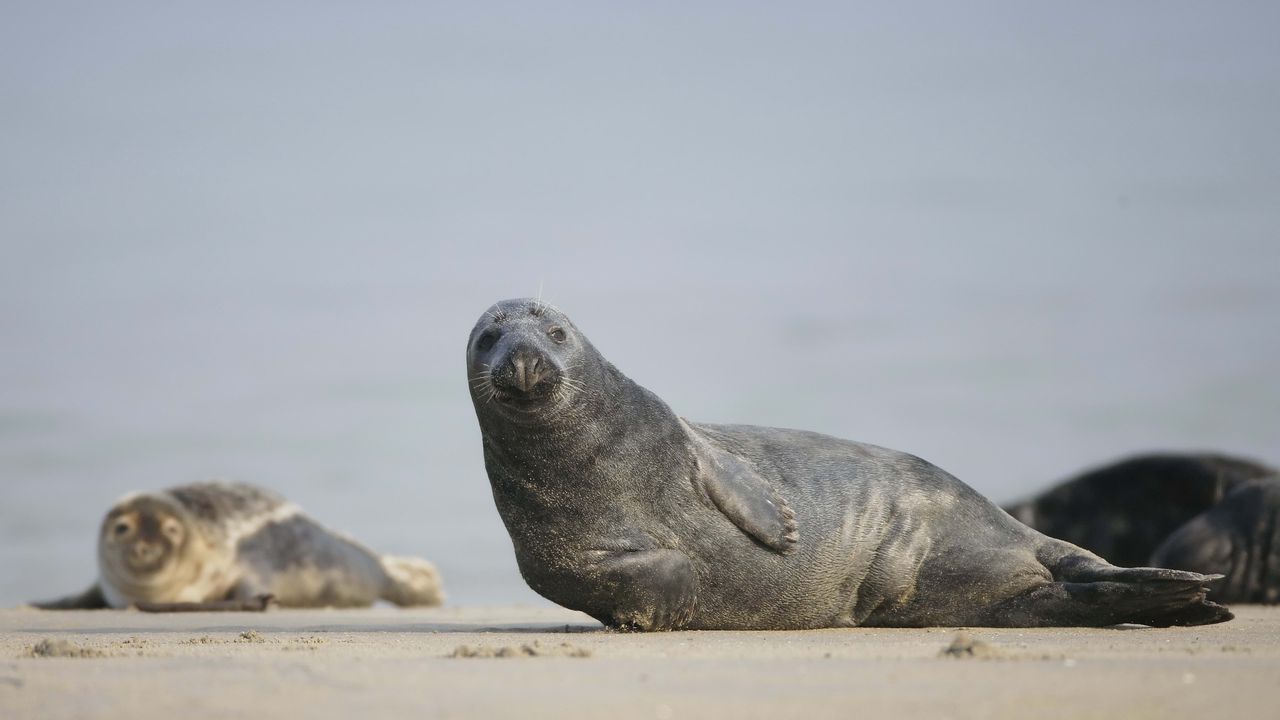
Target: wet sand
point(539, 662)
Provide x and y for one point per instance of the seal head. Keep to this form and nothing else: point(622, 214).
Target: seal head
point(144, 546)
point(527, 362)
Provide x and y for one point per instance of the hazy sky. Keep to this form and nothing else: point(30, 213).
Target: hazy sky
point(249, 239)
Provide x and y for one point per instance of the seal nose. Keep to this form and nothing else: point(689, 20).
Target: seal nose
point(146, 552)
point(527, 369)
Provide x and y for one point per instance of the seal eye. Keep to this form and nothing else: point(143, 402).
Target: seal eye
point(486, 341)
point(557, 334)
point(121, 528)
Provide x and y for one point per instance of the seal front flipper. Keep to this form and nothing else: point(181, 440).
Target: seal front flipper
point(259, 603)
point(91, 599)
point(628, 589)
point(653, 589)
point(743, 495)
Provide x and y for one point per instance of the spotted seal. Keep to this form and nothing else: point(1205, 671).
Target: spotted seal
point(229, 545)
point(621, 509)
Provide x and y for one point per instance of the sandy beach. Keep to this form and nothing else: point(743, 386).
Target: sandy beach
point(533, 662)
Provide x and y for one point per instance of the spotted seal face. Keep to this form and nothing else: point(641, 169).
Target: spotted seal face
point(526, 361)
point(142, 541)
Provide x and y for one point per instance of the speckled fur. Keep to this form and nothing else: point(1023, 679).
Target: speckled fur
point(243, 541)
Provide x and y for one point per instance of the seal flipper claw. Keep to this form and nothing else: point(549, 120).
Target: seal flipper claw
point(745, 497)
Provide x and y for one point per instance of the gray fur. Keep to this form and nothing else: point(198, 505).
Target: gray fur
point(1125, 509)
point(619, 508)
point(301, 563)
point(208, 543)
point(1238, 537)
point(1205, 512)
point(218, 506)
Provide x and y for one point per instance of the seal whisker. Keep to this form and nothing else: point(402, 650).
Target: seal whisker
point(576, 389)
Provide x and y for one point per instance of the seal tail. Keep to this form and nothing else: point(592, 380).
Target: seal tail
point(1089, 591)
point(411, 581)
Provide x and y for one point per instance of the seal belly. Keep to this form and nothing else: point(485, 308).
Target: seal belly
point(871, 520)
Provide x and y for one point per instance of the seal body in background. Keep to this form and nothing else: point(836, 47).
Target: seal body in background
point(1206, 512)
point(621, 509)
point(211, 543)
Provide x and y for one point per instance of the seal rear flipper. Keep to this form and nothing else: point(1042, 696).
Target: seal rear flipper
point(1088, 591)
point(91, 599)
point(744, 496)
point(1160, 603)
point(411, 582)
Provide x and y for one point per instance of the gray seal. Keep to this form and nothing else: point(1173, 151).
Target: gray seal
point(1206, 512)
point(621, 509)
point(214, 546)
point(1238, 537)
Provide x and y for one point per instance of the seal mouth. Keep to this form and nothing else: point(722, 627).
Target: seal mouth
point(533, 400)
point(146, 567)
point(549, 394)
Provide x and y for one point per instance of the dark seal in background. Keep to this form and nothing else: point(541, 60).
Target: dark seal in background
point(1205, 512)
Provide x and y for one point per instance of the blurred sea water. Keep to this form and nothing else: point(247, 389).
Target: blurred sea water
point(232, 251)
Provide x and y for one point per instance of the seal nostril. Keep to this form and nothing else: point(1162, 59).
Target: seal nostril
point(535, 370)
point(518, 372)
point(526, 371)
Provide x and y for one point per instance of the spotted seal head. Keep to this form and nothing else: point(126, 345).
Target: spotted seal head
point(621, 509)
point(148, 545)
